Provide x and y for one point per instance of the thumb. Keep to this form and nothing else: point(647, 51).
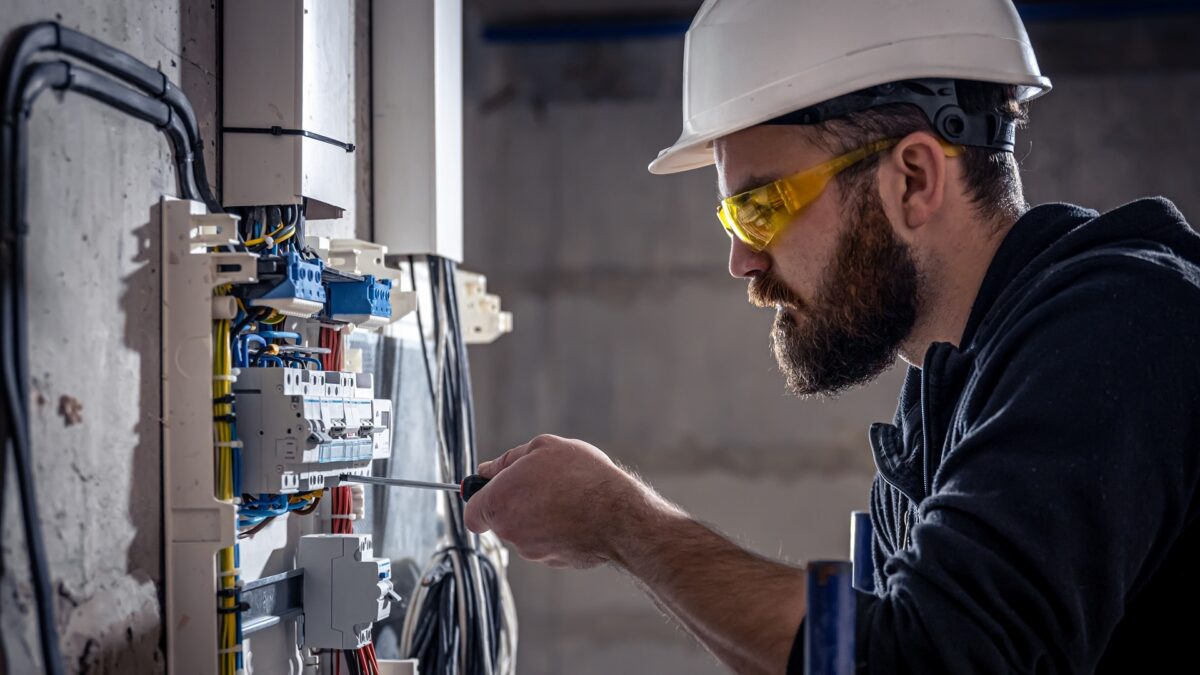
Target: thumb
point(478, 512)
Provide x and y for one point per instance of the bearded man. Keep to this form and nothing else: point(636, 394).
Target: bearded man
point(1035, 507)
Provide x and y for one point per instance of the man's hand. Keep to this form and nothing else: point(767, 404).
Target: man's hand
point(559, 501)
point(565, 503)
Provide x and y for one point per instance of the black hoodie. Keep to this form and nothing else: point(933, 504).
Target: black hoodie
point(1035, 509)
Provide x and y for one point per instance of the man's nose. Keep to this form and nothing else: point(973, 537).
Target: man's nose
point(745, 262)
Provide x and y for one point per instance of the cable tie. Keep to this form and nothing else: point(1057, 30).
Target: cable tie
point(231, 573)
point(345, 516)
point(225, 378)
point(230, 650)
point(229, 444)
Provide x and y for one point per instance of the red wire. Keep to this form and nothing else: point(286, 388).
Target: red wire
point(374, 659)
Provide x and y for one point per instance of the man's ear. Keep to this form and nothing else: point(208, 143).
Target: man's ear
point(913, 180)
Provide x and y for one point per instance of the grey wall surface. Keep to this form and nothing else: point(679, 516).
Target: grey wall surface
point(631, 335)
point(94, 322)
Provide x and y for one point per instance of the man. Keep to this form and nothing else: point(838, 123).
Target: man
point(1035, 507)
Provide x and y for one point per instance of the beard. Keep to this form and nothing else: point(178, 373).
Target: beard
point(863, 310)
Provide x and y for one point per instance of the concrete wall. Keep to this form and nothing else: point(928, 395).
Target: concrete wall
point(631, 335)
point(94, 318)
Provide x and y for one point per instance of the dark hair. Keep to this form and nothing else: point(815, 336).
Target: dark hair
point(992, 177)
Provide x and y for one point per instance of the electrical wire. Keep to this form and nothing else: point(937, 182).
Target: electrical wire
point(461, 620)
point(228, 480)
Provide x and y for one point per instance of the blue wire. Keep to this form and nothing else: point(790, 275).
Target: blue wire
point(236, 455)
point(308, 359)
point(280, 335)
point(278, 361)
point(244, 346)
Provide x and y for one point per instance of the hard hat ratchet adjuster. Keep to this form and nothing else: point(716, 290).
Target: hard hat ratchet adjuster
point(938, 100)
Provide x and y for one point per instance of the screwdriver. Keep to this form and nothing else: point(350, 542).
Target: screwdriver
point(467, 489)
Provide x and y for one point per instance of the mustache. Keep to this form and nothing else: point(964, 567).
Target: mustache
point(766, 290)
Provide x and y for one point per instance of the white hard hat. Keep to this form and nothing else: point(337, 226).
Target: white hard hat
point(750, 61)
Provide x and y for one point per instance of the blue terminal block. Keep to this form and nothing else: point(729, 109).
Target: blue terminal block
point(366, 303)
point(301, 292)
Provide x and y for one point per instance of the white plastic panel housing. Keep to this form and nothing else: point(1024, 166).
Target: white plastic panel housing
point(483, 321)
point(289, 63)
point(346, 589)
point(300, 427)
point(196, 525)
point(417, 126)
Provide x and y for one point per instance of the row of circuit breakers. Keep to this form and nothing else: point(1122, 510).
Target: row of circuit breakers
point(305, 425)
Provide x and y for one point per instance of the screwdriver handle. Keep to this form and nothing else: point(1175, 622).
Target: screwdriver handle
point(470, 485)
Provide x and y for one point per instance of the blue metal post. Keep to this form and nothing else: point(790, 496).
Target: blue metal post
point(860, 552)
point(829, 628)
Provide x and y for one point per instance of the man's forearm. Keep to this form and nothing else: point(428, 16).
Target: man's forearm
point(744, 608)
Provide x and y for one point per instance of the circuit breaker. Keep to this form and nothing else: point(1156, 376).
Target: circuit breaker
point(301, 426)
point(346, 589)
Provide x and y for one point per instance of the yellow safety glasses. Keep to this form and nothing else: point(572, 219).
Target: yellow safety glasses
point(757, 215)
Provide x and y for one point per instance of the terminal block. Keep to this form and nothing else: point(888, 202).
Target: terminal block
point(346, 589)
point(366, 303)
point(293, 285)
point(299, 427)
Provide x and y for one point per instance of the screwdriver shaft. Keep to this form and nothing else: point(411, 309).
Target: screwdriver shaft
point(399, 482)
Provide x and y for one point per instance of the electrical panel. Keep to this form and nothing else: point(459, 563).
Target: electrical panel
point(268, 393)
point(261, 548)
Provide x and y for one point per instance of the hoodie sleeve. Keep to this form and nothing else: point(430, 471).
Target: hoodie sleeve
point(1069, 477)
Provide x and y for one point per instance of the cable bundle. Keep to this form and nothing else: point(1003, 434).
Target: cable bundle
point(255, 513)
point(271, 229)
point(331, 338)
point(460, 620)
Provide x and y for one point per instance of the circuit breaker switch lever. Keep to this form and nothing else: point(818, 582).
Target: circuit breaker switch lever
point(470, 485)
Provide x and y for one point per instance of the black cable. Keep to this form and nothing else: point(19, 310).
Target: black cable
point(253, 314)
point(14, 355)
point(50, 36)
point(449, 638)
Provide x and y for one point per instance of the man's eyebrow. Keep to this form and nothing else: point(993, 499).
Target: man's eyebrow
point(748, 183)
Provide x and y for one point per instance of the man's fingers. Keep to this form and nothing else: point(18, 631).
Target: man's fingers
point(495, 466)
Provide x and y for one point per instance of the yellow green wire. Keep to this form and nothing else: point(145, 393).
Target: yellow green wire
point(227, 621)
point(258, 240)
point(227, 629)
